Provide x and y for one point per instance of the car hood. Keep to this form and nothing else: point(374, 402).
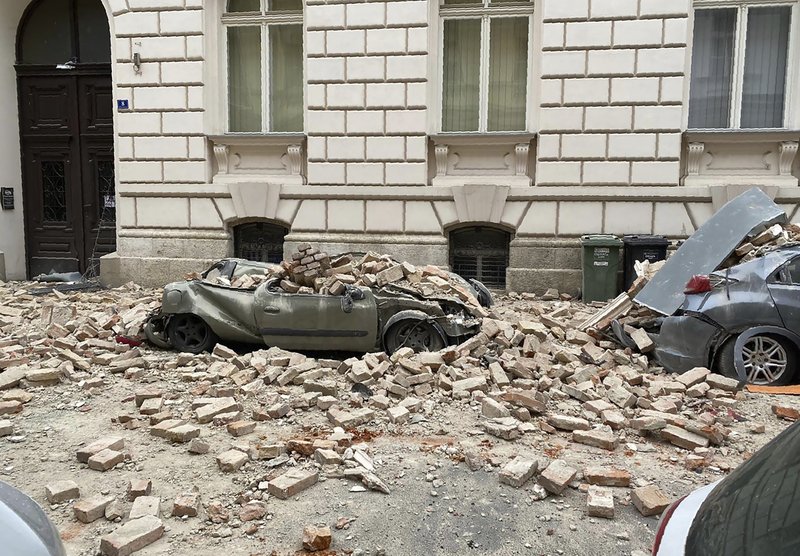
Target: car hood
point(748, 214)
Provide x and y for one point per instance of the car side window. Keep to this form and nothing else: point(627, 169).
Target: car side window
point(791, 272)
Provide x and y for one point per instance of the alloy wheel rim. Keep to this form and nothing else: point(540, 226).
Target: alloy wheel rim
point(416, 336)
point(191, 332)
point(765, 360)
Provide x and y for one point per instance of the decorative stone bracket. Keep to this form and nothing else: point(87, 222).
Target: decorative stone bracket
point(275, 158)
point(480, 158)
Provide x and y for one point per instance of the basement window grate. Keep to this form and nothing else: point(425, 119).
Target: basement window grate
point(259, 241)
point(480, 253)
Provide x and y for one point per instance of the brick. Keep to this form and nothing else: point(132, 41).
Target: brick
point(10, 407)
point(596, 437)
point(365, 15)
point(650, 500)
point(206, 413)
point(557, 476)
point(568, 423)
point(611, 62)
point(151, 406)
point(325, 70)
point(643, 32)
point(660, 61)
point(584, 146)
point(366, 68)
point(133, 536)
point(609, 118)
point(632, 90)
point(292, 483)
point(231, 461)
point(398, 414)
point(160, 429)
point(327, 457)
point(607, 476)
point(186, 504)
point(565, 63)
point(197, 446)
point(386, 41)
point(241, 428)
point(683, 438)
point(61, 491)
point(330, 16)
point(614, 8)
point(105, 460)
point(139, 487)
point(182, 433)
point(91, 509)
point(621, 397)
point(345, 42)
point(404, 68)
point(599, 502)
point(631, 145)
point(518, 471)
point(108, 442)
point(722, 382)
point(252, 511)
point(786, 413)
point(471, 384)
point(589, 33)
point(405, 13)
point(574, 9)
point(588, 90)
point(144, 506)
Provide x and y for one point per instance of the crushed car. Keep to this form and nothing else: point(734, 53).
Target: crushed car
point(749, 312)
point(729, 298)
point(358, 302)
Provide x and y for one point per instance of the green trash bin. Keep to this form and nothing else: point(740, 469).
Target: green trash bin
point(600, 266)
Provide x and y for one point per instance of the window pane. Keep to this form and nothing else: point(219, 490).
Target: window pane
point(765, 66)
point(244, 5)
point(244, 78)
point(712, 68)
point(46, 37)
point(461, 79)
point(94, 40)
point(508, 73)
point(286, 77)
point(285, 5)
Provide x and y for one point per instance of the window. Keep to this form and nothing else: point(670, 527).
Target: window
point(740, 60)
point(259, 241)
point(481, 254)
point(265, 65)
point(484, 63)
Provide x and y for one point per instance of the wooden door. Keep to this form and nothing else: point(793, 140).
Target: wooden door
point(66, 136)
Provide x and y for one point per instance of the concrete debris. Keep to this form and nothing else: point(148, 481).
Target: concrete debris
point(316, 538)
point(599, 502)
point(61, 491)
point(292, 482)
point(650, 500)
point(557, 476)
point(518, 471)
point(91, 509)
point(132, 536)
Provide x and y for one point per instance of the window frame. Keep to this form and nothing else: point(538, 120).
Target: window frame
point(485, 11)
point(264, 19)
point(790, 112)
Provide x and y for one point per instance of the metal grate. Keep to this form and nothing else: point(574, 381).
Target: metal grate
point(259, 241)
point(105, 185)
point(480, 253)
point(54, 191)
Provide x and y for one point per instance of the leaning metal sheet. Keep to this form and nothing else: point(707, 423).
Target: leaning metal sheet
point(712, 243)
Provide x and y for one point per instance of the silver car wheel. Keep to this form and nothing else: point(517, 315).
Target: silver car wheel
point(765, 360)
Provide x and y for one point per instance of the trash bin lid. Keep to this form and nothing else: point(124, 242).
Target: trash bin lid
point(601, 240)
point(645, 240)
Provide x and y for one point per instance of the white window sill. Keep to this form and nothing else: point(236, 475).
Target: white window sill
point(479, 158)
point(248, 157)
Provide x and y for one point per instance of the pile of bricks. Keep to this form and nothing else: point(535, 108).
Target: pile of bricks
point(311, 271)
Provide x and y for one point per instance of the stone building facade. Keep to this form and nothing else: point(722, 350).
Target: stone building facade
point(486, 136)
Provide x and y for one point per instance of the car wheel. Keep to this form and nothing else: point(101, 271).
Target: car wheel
point(189, 333)
point(768, 360)
point(415, 334)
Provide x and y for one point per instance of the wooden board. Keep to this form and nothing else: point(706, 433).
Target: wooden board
point(792, 390)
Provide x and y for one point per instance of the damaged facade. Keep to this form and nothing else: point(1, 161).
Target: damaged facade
point(237, 125)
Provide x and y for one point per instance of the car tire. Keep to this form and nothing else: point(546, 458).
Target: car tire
point(726, 359)
point(419, 335)
point(189, 333)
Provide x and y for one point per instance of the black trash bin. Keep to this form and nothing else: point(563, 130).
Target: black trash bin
point(642, 248)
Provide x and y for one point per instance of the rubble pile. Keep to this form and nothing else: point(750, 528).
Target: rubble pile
point(778, 235)
point(311, 271)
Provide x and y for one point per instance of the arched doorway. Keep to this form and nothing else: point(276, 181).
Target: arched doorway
point(66, 135)
point(481, 253)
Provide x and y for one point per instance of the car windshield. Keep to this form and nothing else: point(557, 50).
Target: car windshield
point(756, 509)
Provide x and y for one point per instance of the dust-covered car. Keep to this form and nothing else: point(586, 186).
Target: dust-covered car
point(198, 312)
point(743, 321)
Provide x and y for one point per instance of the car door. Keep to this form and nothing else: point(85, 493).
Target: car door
point(316, 322)
point(784, 286)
